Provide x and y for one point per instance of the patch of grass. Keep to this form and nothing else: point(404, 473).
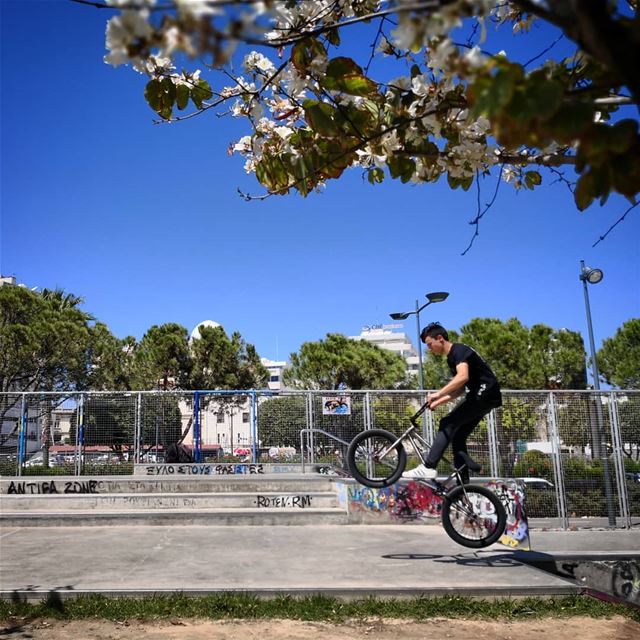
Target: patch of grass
point(312, 608)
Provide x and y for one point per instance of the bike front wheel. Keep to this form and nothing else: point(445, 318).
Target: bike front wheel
point(372, 459)
point(473, 516)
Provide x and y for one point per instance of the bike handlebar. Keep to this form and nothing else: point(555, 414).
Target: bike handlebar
point(418, 413)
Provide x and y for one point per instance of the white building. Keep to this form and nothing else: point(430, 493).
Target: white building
point(222, 422)
point(275, 368)
point(382, 336)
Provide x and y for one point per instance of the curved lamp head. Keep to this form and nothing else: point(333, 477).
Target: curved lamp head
point(592, 276)
point(437, 296)
point(399, 316)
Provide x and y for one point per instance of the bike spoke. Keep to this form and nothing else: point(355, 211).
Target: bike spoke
point(473, 516)
point(370, 463)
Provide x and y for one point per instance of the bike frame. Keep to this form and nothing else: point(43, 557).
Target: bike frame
point(413, 436)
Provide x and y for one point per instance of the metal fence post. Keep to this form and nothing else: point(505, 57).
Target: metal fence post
point(79, 437)
point(310, 440)
point(494, 454)
point(556, 453)
point(137, 431)
point(618, 460)
point(196, 426)
point(22, 434)
point(254, 427)
point(367, 411)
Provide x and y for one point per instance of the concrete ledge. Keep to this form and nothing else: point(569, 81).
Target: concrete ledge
point(616, 575)
point(123, 501)
point(340, 593)
point(179, 517)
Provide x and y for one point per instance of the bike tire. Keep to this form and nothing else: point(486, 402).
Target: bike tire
point(364, 465)
point(463, 518)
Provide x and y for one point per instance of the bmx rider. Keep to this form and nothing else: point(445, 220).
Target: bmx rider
point(471, 375)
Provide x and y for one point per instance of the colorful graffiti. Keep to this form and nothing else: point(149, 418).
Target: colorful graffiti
point(512, 496)
point(416, 502)
point(413, 501)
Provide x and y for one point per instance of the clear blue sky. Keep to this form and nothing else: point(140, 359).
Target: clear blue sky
point(145, 222)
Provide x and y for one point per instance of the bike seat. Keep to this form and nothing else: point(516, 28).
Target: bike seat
point(471, 464)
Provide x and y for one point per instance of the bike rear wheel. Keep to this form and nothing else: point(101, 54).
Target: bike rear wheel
point(473, 516)
point(371, 460)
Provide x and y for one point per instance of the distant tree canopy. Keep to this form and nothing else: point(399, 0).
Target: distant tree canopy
point(222, 362)
point(280, 421)
point(416, 91)
point(619, 357)
point(338, 360)
point(162, 359)
point(521, 357)
point(44, 341)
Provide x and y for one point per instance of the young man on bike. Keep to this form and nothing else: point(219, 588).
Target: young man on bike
point(471, 374)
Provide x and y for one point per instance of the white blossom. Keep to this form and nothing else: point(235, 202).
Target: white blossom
point(283, 132)
point(196, 8)
point(474, 58)
point(123, 31)
point(256, 61)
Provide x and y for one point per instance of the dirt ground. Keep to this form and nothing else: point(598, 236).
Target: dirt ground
point(616, 628)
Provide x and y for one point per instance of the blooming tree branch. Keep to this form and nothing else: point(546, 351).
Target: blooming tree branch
point(435, 110)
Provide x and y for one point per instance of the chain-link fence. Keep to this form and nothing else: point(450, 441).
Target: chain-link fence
point(578, 452)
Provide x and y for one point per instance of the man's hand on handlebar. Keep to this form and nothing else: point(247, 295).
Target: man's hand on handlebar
point(435, 400)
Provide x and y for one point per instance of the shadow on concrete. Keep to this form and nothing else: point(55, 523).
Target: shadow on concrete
point(502, 560)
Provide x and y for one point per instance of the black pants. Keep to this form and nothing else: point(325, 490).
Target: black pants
point(456, 427)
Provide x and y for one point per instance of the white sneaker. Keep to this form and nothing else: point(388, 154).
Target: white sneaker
point(421, 472)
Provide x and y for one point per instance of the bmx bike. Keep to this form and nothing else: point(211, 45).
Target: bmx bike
point(472, 515)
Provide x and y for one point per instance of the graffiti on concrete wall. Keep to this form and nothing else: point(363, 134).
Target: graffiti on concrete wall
point(511, 494)
point(202, 469)
point(413, 501)
point(43, 487)
point(417, 502)
point(625, 580)
point(290, 502)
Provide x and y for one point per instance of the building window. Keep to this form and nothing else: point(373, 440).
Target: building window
point(220, 417)
point(274, 378)
point(245, 416)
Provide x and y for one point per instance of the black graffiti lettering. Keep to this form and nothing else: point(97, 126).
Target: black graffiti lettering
point(300, 502)
point(16, 487)
point(76, 486)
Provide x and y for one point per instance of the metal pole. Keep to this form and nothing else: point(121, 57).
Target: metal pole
point(599, 449)
point(594, 362)
point(420, 372)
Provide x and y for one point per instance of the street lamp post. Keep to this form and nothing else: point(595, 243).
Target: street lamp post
point(594, 276)
point(432, 298)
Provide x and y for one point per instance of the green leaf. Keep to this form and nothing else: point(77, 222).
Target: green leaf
point(200, 93)
point(532, 179)
point(570, 121)
point(623, 135)
point(166, 112)
point(503, 87)
point(333, 36)
point(321, 118)
point(343, 74)
point(152, 94)
point(168, 93)
point(304, 52)
point(375, 175)
point(182, 96)
point(591, 185)
point(466, 182)
point(489, 94)
point(543, 96)
point(401, 167)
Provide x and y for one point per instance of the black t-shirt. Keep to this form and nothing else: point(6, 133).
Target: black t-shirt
point(482, 383)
